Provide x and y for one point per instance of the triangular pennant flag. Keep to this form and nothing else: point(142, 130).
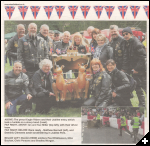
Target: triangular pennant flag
point(123, 10)
point(9, 10)
point(23, 10)
point(35, 10)
point(48, 10)
point(98, 10)
point(85, 10)
point(59, 10)
point(109, 10)
point(146, 8)
point(73, 10)
point(135, 10)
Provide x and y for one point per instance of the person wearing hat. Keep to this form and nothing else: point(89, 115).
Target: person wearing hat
point(135, 122)
point(56, 36)
point(134, 62)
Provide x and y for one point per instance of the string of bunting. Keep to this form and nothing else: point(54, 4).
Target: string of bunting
point(73, 10)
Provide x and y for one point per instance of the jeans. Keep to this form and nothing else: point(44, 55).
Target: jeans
point(19, 100)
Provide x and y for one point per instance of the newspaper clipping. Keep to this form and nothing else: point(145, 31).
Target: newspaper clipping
point(74, 72)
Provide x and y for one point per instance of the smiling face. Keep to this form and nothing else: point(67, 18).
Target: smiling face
point(77, 40)
point(51, 35)
point(20, 31)
point(89, 32)
point(94, 36)
point(114, 33)
point(56, 37)
point(66, 38)
point(127, 36)
point(44, 31)
point(111, 67)
point(17, 68)
point(32, 29)
point(100, 41)
point(46, 68)
point(95, 67)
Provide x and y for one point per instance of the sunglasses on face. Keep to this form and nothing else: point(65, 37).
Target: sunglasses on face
point(125, 34)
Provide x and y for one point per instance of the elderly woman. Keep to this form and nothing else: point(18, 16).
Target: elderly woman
point(93, 43)
point(120, 85)
point(103, 52)
point(42, 83)
point(78, 42)
point(100, 85)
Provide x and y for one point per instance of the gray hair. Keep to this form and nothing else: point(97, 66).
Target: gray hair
point(113, 27)
point(17, 61)
point(90, 27)
point(20, 25)
point(67, 32)
point(51, 31)
point(44, 25)
point(45, 62)
point(31, 24)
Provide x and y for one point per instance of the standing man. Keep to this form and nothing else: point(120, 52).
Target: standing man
point(15, 83)
point(124, 125)
point(134, 62)
point(89, 30)
point(117, 45)
point(13, 43)
point(98, 119)
point(56, 36)
point(31, 50)
point(135, 122)
point(44, 31)
point(51, 34)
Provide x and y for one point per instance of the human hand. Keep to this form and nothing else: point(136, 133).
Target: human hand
point(134, 72)
point(114, 94)
point(24, 70)
point(29, 96)
point(7, 105)
point(51, 94)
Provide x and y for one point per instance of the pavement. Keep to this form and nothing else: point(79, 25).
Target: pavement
point(104, 135)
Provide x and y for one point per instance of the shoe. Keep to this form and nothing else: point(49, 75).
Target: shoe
point(119, 134)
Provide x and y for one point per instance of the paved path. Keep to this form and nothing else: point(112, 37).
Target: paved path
point(103, 135)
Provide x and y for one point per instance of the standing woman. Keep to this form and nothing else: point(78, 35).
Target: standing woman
point(78, 42)
point(99, 86)
point(103, 52)
point(93, 43)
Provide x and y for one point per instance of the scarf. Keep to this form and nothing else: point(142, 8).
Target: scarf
point(94, 72)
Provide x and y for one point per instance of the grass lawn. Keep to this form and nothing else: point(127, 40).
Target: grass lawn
point(62, 112)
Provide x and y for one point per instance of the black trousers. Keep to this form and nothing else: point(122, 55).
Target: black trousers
point(141, 84)
point(135, 133)
point(123, 99)
point(44, 103)
point(126, 129)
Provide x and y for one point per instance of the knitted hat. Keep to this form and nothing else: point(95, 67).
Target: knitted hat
point(127, 29)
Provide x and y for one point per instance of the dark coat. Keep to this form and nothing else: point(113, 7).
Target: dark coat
point(62, 46)
point(42, 82)
point(135, 56)
point(31, 54)
point(14, 85)
point(100, 86)
point(105, 54)
point(118, 51)
point(12, 47)
point(80, 48)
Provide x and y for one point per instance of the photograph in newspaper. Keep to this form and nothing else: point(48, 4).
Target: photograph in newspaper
point(123, 125)
point(52, 71)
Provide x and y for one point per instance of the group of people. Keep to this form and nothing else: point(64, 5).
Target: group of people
point(111, 61)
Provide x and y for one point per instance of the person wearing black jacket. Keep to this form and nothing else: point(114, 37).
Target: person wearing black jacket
point(15, 83)
point(44, 31)
point(100, 86)
point(120, 85)
point(13, 43)
point(103, 52)
point(117, 44)
point(42, 83)
point(134, 62)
